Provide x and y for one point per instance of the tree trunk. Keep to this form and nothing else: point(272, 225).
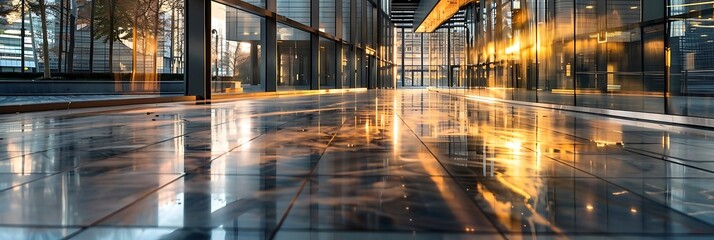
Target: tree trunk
point(45, 43)
point(60, 37)
point(173, 39)
point(91, 37)
point(111, 36)
point(72, 30)
point(156, 40)
point(134, 45)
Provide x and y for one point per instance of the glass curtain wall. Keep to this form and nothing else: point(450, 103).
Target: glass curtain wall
point(690, 41)
point(646, 56)
point(436, 59)
point(137, 46)
point(76, 47)
point(327, 64)
point(237, 55)
point(293, 58)
point(297, 10)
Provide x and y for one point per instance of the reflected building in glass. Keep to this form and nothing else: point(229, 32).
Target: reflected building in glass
point(644, 56)
point(111, 49)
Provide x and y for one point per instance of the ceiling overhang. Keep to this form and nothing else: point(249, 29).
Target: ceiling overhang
point(432, 13)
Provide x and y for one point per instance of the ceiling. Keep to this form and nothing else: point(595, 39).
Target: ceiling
point(403, 12)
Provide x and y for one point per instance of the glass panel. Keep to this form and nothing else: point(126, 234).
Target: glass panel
point(348, 72)
point(293, 58)
point(588, 74)
point(116, 47)
point(327, 16)
point(298, 10)
point(358, 22)
point(237, 54)
point(327, 64)
point(370, 26)
point(691, 42)
point(346, 23)
point(259, 3)
point(557, 55)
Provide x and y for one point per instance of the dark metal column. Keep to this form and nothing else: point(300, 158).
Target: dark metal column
point(667, 63)
point(449, 77)
point(22, 36)
point(314, 45)
point(421, 56)
point(353, 36)
point(198, 47)
point(364, 82)
point(271, 49)
point(255, 63)
point(404, 49)
point(338, 19)
point(338, 46)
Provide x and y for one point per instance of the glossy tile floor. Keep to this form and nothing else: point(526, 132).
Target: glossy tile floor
point(25, 100)
point(407, 164)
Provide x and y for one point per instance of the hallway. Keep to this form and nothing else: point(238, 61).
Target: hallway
point(388, 164)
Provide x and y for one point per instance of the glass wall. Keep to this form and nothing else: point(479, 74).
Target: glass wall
point(348, 68)
point(237, 58)
point(110, 48)
point(437, 59)
point(645, 56)
point(691, 67)
point(293, 58)
point(79, 47)
point(327, 16)
point(346, 20)
point(298, 10)
point(327, 64)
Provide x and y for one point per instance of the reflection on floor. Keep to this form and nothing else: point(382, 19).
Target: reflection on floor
point(378, 164)
point(25, 100)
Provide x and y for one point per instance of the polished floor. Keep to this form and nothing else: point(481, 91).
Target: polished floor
point(380, 164)
point(25, 100)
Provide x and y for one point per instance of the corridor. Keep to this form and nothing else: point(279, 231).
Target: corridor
point(377, 164)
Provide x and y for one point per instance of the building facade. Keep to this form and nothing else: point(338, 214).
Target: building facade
point(645, 56)
point(141, 45)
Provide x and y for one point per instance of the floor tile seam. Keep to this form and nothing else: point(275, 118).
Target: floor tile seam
point(464, 193)
point(568, 134)
point(598, 115)
point(529, 104)
point(510, 232)
point(115, 212)
point(660, 157)
point(82, 129)
point(292, 229)
point(669, 159)
point(187, 173)
point(138, 149)
point(274, 232)
point(151, 144)
point(215, 157)
point(645, 152)
point(456, 175)
point(392, 231)
point(90, 162)
point(622, 149)
point(644, 197)
point(124, 152)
